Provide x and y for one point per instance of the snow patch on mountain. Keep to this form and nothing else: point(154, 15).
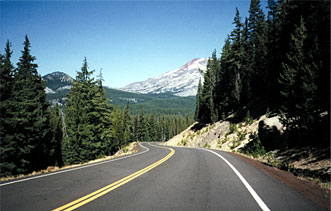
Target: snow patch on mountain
point(182, 81)
point(64, 87)
point(49, 91)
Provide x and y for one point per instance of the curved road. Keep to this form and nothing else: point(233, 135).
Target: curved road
point(167, 178)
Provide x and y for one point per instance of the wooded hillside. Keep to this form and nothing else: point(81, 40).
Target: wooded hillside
point(280, 62)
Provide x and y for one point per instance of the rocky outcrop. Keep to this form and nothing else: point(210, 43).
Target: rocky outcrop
point(270, 132)
point(266, 131)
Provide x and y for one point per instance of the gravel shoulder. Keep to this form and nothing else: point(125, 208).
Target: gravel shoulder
point(308, 188)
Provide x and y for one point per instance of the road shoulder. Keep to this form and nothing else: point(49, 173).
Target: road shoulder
point(317, 194)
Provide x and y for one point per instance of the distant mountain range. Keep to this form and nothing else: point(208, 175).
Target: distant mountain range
point(58, 85)
point(170, 93)
point(182, 81)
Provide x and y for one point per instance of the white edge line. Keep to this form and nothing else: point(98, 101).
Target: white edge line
point(73, 169)
point(263, 206)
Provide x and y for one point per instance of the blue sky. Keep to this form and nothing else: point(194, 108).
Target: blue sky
point(130, 40)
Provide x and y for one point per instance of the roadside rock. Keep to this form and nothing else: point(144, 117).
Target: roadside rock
point(270, 132)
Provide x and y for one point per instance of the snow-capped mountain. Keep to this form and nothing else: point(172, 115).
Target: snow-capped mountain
point(181, 82)
point(57, 81)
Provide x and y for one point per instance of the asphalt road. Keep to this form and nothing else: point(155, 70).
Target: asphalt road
point(156, 179)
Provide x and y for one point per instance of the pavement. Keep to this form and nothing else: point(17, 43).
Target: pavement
point(158, 178)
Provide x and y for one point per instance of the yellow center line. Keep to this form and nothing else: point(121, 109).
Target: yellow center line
point(102, 191)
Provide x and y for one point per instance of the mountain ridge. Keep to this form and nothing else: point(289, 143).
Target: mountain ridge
point(57, 81)
point(182, 81)
point(164, 103)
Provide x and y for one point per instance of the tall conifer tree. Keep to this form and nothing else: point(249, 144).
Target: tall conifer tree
point(87, 119)
point(299, 88)
point(198, 101)
point(236, 59)
point(245, 74)
point(7, 141)
point(207, 110)
point(31, 119)
point(223, 83)
point(257, 48)
point(127, 124)
point(152, 132)
point(117, 130)
point(101, 120)
point(57, 135)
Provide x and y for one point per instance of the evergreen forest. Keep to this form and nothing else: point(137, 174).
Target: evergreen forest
point(34, 135)
point(278, 63)
point(151, 103)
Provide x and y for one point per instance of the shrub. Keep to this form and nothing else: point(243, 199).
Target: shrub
point(254, 147)
point(183, 142)
point(248, 119)
point(267, 113)
point(207, 145)
point(220, 142)
point(232, 128)
point(235, 143)
point(241, 135)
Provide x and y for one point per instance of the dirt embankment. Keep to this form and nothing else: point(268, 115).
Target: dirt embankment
point(307, 170)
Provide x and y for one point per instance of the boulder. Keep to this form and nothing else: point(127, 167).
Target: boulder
point(270, 133)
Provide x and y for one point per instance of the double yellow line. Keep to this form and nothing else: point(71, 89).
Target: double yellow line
point(98, 193)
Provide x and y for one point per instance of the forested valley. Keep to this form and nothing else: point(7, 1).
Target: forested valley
point(276, 63)
point(34, 135)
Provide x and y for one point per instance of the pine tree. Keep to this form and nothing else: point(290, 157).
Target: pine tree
point(142, 132)
point(100, 117)
point(223, 84)
point(167, 129)
point(236, 39)
point(136, 128)
point(127, 124)
point(79, 145)
point(256, 35)
point(7, 143)
point(198, 101)
point(117, 129)
point(6, 74)
point(152, 128)
point(57, 135)
point(245, 73)
point(236, 59)
point(277, 49)
point(92, 124)
point(215, 68)
point(207, 110)
point(31, 116)
point(298, 82)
